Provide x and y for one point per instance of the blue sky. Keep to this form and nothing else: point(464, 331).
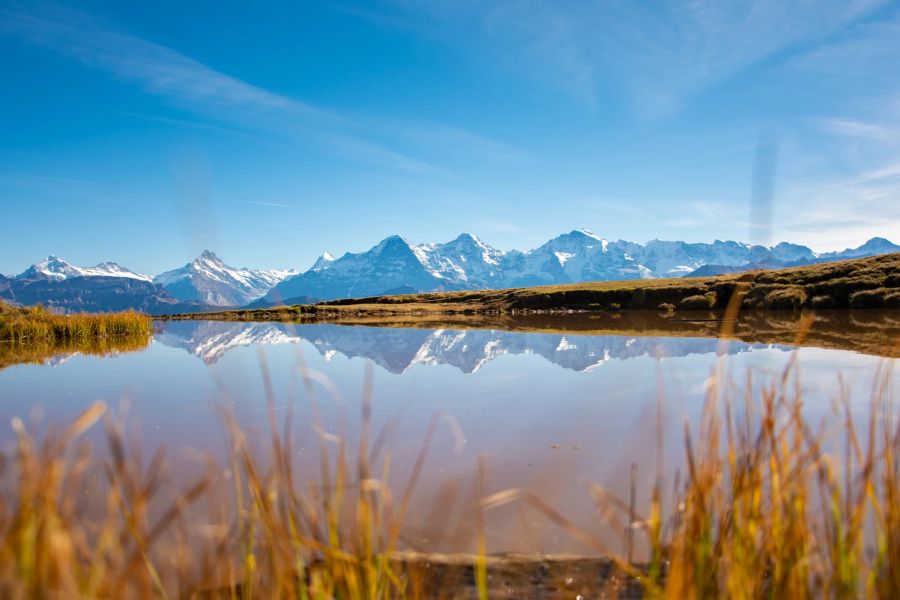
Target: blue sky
point(145, 132)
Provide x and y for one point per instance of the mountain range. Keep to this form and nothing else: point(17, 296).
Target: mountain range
point(396, 266)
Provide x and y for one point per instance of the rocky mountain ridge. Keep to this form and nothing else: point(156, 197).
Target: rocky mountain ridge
point(396, 266)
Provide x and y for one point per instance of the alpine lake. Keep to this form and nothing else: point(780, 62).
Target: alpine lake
point(547, 403)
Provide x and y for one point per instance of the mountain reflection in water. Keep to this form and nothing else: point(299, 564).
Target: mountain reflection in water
point(569, 399)
point(396, 350)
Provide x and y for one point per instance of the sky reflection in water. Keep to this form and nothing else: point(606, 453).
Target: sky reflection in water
point(549, 411)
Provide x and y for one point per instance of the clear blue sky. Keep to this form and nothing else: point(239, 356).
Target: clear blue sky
point(268, 132)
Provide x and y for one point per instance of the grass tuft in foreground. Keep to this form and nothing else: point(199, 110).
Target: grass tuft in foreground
point(771, 506)
point(775, 507)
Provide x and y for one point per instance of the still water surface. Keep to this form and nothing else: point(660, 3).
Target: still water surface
point(548, 411)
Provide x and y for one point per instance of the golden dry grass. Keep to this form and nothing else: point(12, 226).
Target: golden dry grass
point(35, 324)
point(771, 505)
point(33, 334)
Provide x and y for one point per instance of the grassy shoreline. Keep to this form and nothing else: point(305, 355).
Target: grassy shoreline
point(34, 334)
point(872, 282)
point(873, 332)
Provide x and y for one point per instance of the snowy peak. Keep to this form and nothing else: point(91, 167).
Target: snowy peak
point(392, 264)
point(876, 245)
point(879, 243)
point(206, 263)
point(676, 258)
point(52, 267)
point(787, 252)
point(391, 243)
point(576, 240)
point(395, 246)
point(111, 269)
point(579, 255)
point(585, 232)
point(56, 268)
point(467, 261)
point(323, 262)
point(208, 258)
point(277, 275)
point(397, 250)
point(462, 263)
point(469, 245)
point(209, 280)
point(465, 240)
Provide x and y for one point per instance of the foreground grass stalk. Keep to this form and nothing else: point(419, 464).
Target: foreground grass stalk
point(770, 506)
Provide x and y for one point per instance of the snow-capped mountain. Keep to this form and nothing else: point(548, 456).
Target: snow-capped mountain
point(209, 280)
point(675, 259)
point(465, 262)
point(786, 252)
point(64, 287)
point(875, 246)
point(792, 255)
point(94, 294)
point(395, 265)
point(323, 262)
point(54, 267)
point(572, 257)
